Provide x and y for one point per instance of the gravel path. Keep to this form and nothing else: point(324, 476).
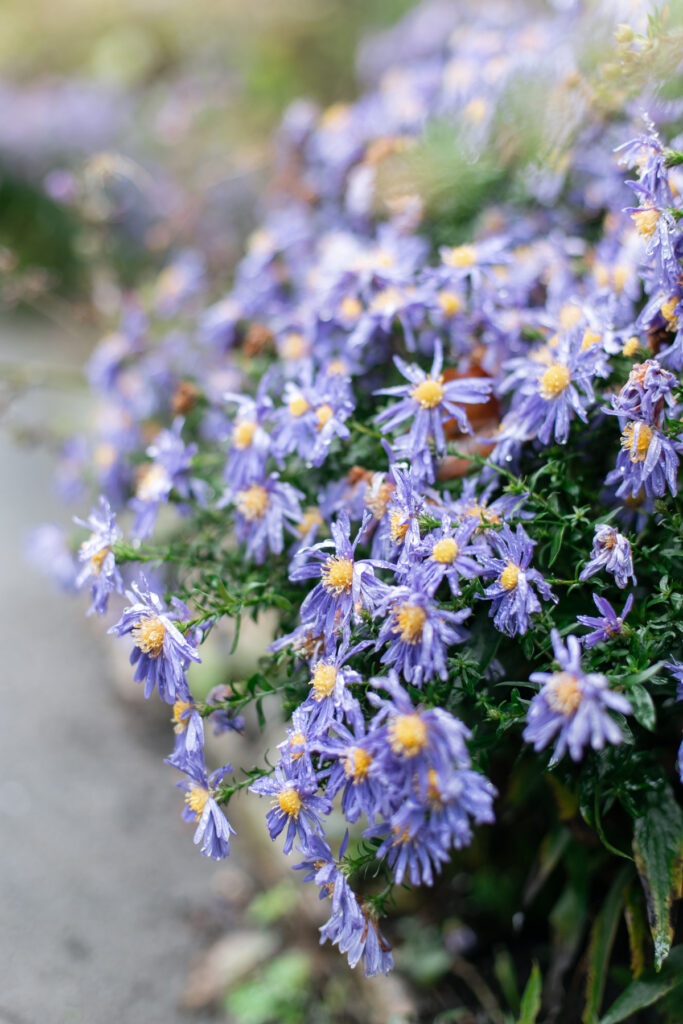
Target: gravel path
point(104, 898)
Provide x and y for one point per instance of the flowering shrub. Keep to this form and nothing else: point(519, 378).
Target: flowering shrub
point(436, 429)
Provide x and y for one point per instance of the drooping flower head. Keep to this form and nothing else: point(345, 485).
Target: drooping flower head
point(513, 599)
point(99, 568)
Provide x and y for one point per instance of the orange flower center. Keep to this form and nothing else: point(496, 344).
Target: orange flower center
point(149, 636)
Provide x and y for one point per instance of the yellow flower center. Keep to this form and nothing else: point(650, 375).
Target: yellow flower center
point(386, 300)
point(646, 221)
point(407, 735)
point(630, 347)
point(298, 742)
point(323, 413)
point(196, 798)
point(509, 576)
point(461, 256)
point(253, 502)
point(350, 307)
point(553, 382)
point(311, 518)
point(179, 709)
point(152, 480)
point(243, 434)
point(449, 302)
point(376, 500)
point(445, 551)
point(667, 311)
point(338, 367)
point(97, 560)
point(570, 315)
point(564, 694)
point(323, 681)
point(428, 393)
point(337, 575)
point(433, 788)
point(636, 440)
point(290, 802)
point(620, 276)
point(298, 406)
point(589, 339)
point(475, 111)
point(398, 528)
point(410, 620)
point(294, 346)
point(149, 636)
point(357, 763)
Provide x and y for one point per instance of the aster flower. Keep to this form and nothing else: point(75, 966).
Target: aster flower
point(512, 597)
point(365, 940)
point(607, 624)
point(345, 586)
point(675, 667)
point(263, 509)
point(169, 470)
point(611, 552)
point(648, 461)
point(647, 393)
point(314, 415)
point(447, 554)
point(250, 442)
point(189, 735)
point(354, 770)
point(322, 868)
point(417, 631)
point(100, 569)
point(213, 828)
point(330, 697)
point(161, 653)
point(572, 707)
point(429, 401)
point(296, 807)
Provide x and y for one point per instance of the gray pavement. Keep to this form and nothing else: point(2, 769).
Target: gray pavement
point(104, 899)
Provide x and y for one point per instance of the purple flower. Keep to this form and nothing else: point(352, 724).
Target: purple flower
point(675, 667)
point(607, 625)
point(417, 631)
point(572, 708)
point(611, 552)
point(250, 443)
point(100, 568)
point(448, 555)
point(429, 400)
point(189, 735)
point(513, 599)
point(161, 652)
point(295, 806)
point(330, 697)
point(213, 828)
point(355, 770)
point(313, 417)
point(647, 393)
point(226, 719)
point(169, 470)
point(648, 461)
point(263, 509)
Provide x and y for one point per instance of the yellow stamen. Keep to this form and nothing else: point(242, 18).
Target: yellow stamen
point(350, 307)
point(449, 302)
point(97, 560)
point(433, 788)
point(630, 347)
point(564, 694)
point(386, 300)
point(636, 440)
point(667, 310)
point(570, 315)
point(460, 256)
point(428, 392)
point(179, 709)
point(290, 802)
point(243, 433)
point(646, 221)
point(445, 551)
point(294, 346)
point(509, 576)
point(311, 518)
point(196, 798)
point(338, 368)
point(297, 745)
point(554, 381)
point(376, 500)
point(323, 413)
point(410, 620)
point(398, 528)
point(357, 763)
point(589, 339)
point(407, 735)
point(149, 635)
point(253, 502)
point(323, 681)
point(337, 575)
point(298, 406)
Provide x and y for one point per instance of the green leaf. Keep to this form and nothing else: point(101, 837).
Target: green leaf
point(556, 546)
point(658, 850)
point(531, 997)
point(601, 941)
point(647, 990)
point(643, 707)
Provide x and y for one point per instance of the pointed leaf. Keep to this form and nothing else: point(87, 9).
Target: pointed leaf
point(658, 850)
point(600, 947)
point(647, 990)
point(531, 998)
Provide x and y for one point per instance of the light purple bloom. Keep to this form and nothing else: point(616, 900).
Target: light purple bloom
point(611, 552)
point(513, 600)
point(100, 568)
point(648, 461)
point(169, 470)
point(263, 510)
point(572, 707)
point(161, 652)
point(607, 625)
point(296, 807)
point(213, 828)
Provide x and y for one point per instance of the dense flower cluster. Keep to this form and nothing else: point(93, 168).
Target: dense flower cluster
point(323, 424)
